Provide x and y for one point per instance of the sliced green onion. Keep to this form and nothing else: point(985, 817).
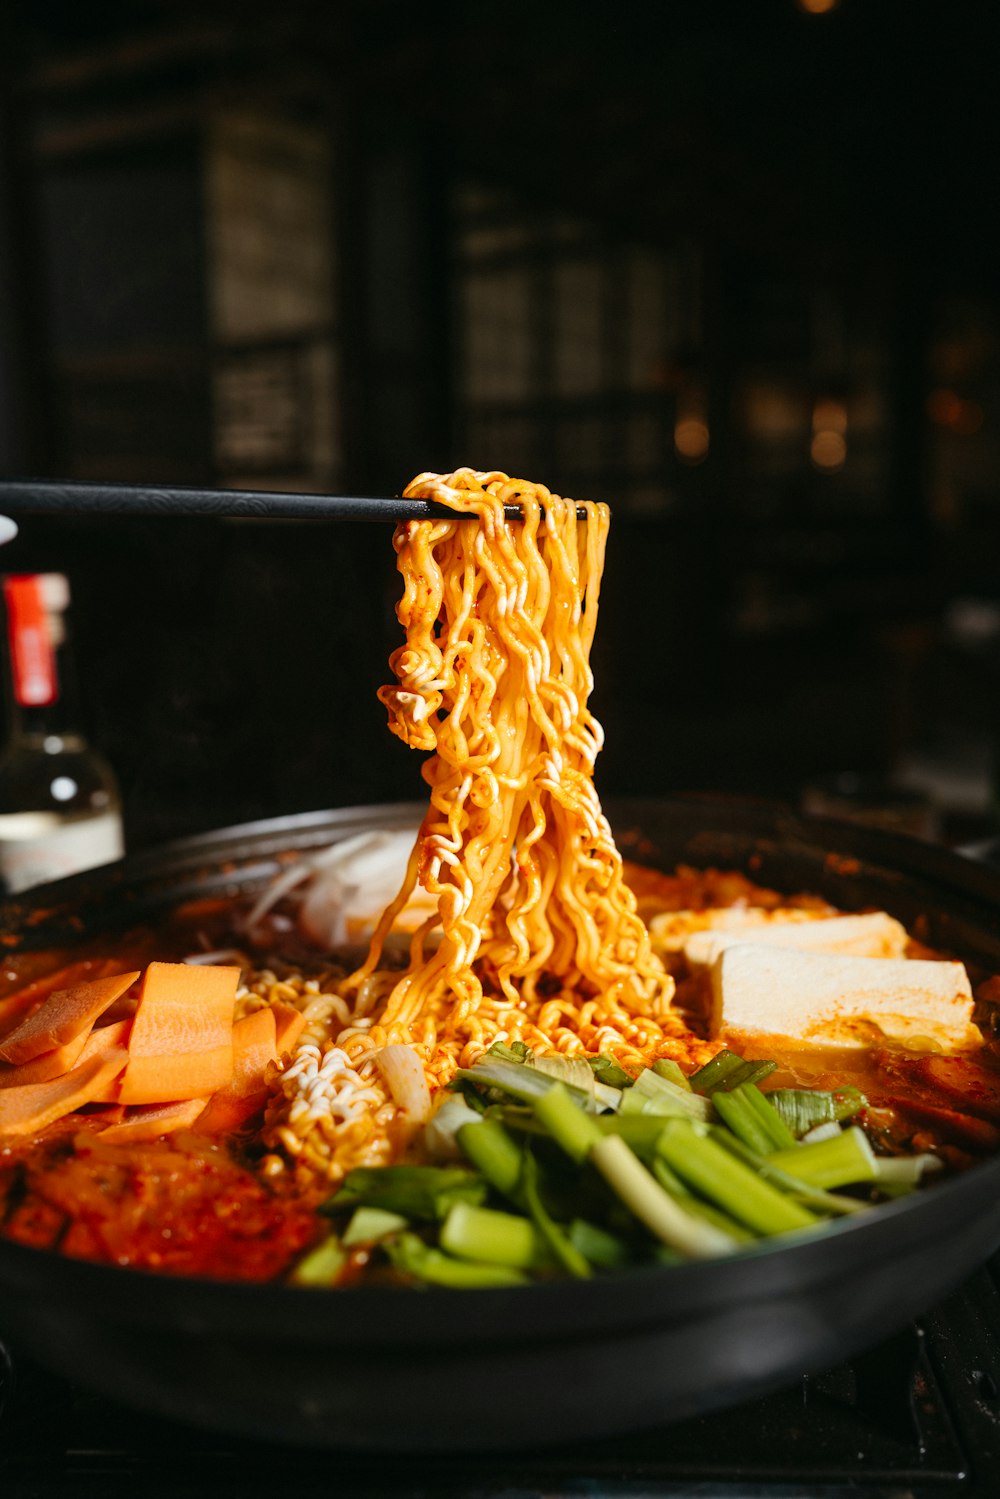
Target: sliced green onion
point(489, 1147)
point(698, 1208)
point(749, 1072)
point(490, 1237)
point(514, 1078)
point(741, 1118)
point(831, 1163)
point(607, 1071)
point(828, 1131)
point(725, 1181)
point(568, 1125)
point(371, 1224)
point(668, 1179)
point(558, 1242)
point(321, 1266)
point(574, 1072)
point(441, 1130)
point(599, 1247)
point(664, 1067)
point(803, 1108)
point(528, 1077)
point(501, 1052)
point(410, 1254)
point(906, 1170)
point(642, 1194)
point(639, 1131)
point(810, 1196)
point(425, 1192)
point(774, 1126)
point(652, 1094)
point(715, 1071)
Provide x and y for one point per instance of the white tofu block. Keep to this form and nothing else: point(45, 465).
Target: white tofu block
point(670, 930)
point(876, 935)
point(824, 1000)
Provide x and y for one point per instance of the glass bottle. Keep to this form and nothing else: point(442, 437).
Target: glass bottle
point(60, 810)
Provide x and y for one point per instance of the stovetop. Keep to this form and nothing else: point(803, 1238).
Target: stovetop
point(917, 1417)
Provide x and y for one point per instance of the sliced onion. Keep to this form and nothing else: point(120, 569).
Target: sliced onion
point(440, 1134)
point(825, 1131)
point(403, 1072)
point(221, 955)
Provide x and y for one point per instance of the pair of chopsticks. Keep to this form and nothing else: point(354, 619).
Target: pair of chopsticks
point(47, 497)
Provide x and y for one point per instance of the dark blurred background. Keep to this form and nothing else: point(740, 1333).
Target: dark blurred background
point(732, 267)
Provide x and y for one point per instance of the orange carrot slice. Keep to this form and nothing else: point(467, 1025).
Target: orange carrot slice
point(289, 1025)
point(62, 1017)
point(14, 1006)
point(108, 1040)
point(50, 1064)
point(25, 1111)
point(181, 1043)
point(254, 1050)
point(151, 1121)
point(113, 1113)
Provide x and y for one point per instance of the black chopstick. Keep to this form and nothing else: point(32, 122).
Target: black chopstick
point(79, 497)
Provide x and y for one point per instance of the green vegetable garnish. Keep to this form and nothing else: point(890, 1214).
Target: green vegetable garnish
point(646, 1200)
point(558, 1242)
point(739, 1116)
point(371, 1224)
point(812, 1197)
point(490, 1237)
point(704, 1166)
point(321, 1267)
point(839, 1162)
point(727, 1070)
point(516, 1079)
point(664, 1067)
point(607, 1070)
point(651, 1093)
point(494, 1152)
point(411, 1255)
point(802, 1109)
point(568, 1125)
point(603, 1249)
point(422, 1192)
point(713, 1072)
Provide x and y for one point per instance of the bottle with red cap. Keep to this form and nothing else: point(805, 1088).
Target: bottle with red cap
point(60, 810)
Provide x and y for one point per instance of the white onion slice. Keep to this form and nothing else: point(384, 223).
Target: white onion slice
point(404, 1075)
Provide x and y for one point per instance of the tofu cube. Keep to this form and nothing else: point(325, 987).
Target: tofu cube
point(826, 1001)
point(875, 935)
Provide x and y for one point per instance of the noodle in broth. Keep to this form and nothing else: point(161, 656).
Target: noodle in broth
point(536, 936)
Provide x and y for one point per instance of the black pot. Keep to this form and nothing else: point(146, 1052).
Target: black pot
point(376, 1368)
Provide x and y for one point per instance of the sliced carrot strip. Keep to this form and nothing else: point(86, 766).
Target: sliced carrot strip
point(50, 1064)
point(15, 1006)
point(108, 1040)
point(25, 1111)
point(181, 1043)
point(254, 1050)
point(114, 1113)
point(152, 1120)
point(62, 1017)
point(289, 1025)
